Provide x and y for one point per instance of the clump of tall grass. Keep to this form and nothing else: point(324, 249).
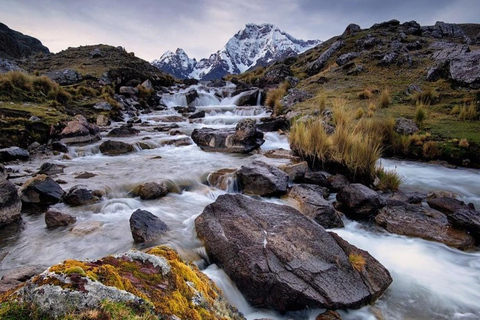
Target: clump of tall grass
point(426, 97)
point(365, 94)
point(420, 114)
point(468, 112)
point(385, 99)
point(351, 150)
point(431, 150)
point(274, 96)
point(359, 113)
point(388, 180)
point(463, 143)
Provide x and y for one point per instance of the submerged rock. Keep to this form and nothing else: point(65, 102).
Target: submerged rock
point(282, 260)
point(243, 139)
point(146, 227)
point(179, 290)
point(79, 195)
point(262, 179)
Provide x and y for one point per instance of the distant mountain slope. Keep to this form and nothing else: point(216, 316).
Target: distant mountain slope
point(253, 46)
point(15, 45)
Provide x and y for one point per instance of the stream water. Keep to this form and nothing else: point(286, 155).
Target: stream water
point(431, 281)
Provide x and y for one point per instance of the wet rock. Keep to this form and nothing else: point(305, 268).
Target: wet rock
point(337, 182)
point(329, 315)
point(83, 228)
point(51, 169)
point(79, 195)
point(10, 204)
point(166, 127)
point(173, 119)
point(418, 221)
point(312, 203)
point(181, 142)
point(103, 120)
point(222, 179)
point(197, 115)
point(245, 138)
point(466, 219)
point(41, 190)
point(273, 124)
point(79, 131)
point(358, 201)
point(151, 190)
point(257, 244)
point(65, 77)
point(296, 172)
point(447, 205)
point(317, 65)
point(85, 175)
point(114, 148)
point(409, 197)
point(248, 98)
point(146, 227)
point(295, 96)
point(123, 131)
point(55, 219)
point(13, 153)
point(405, 126)
point(181, 290)
point(59, 146)
point(191, 96)
point(346, 58)
point(262, 179)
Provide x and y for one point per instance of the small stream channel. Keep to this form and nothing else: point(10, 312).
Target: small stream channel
point(431, 280)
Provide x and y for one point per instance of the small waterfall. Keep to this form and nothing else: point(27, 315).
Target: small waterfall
point(259, 98)
point(175, 100)
point(206, 99)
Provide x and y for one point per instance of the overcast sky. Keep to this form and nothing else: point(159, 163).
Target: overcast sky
point(201, 27)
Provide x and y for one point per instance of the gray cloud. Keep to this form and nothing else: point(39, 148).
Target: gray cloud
point(150, 27)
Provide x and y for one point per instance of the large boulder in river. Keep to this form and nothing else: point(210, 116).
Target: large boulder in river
point(283, 260)
point(243, 139)
point(79, 131)
point(155, 284)
point(311, 203)
point(262, 179)
point(41, 190)
point(466, 219)
point(123, 131)
point(115, 148)
point(418, 221)
point(79, 195)
point(54, 218)
point(358, 201)
point(13, 153)
point(151, 190)
point(145, 226)
point(447, 205)
point(10, 204)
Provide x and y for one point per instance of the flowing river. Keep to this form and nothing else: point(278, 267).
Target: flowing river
point(431, 280)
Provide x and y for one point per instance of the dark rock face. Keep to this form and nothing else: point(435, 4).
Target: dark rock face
point(317, 65)
point(336, 182)
point(41, 190)
point(466, 219)
point(16, 45)
point(114, 148)
point(262, 179)
point(248, 98)
point(295, 96)
point(405, 126)
point(65, 77)
point(55, 219)
point(425, 223)
point(273, 124)
point(197, 115)
point(245, 138)
point(261, 248)
point(346, 58)
point(151, 190)
point(79, 131)
point(465, 69)
point(146, 227)
point(10, 204)
point(358, 201)
point(51, 169)
point(79, 195)
point(277, 74)
point(7, 65)
point(447, 205)
point(123, 131)
point(312, 204)
point(352, 28)
point(13, 153)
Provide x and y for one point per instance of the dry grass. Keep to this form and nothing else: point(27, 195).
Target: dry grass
point(431, 150)
point(365, 94)
point(420, 114)
point(357, 260)
point(388, 180)
point(427, 97)
point(274, 96)
point(359, 113)
point(468, 113)
point(385, 99)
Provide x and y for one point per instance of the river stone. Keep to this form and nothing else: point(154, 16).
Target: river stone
point(86, 227)
point(13, 153)
point(79, 131)
point(262, 179)
point(54, 218)
point(358, 201)
point(115, 148)
point(41, 190)
point(51, 169)
point(447, 205)
point(146, 227)
point(151, 190)
point(243, 139)
point(59, 146)
point(79, 195)
point(466, 219)
point(222, 179)
point(123, 131)
point(103, 120)
point(197, 115)
point(329, 315)
point(10, 204)
point(312, 203)
point(337, 182)
point(282, 260)
point(418, 221)
point(273, 124)
point(296, 172)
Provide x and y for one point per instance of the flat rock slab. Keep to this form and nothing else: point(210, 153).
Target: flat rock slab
point(283, 260)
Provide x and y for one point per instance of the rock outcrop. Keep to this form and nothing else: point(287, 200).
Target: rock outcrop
point(262, 179)
point(79, 131)
point(281, 259)
point(358, 201)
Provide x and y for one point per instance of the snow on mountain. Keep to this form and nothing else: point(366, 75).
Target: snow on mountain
point(256, 45)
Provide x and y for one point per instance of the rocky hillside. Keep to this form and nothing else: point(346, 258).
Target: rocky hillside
point(256, 45)
point(15, 45)
point(429, 75)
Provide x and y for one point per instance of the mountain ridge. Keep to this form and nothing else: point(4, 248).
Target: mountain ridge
point(255, 45)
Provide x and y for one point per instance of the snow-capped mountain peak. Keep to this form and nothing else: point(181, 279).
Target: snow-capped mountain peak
point(252, 46)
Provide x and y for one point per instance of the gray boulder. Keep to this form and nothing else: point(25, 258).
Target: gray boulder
point(295, 96)
point(317, 65)
point(405, 126)
point(65, 77)
point(79, 131)
point(418, 221)
point(449, 30)
point(7, 65)
point(311, 202)
point(447, 205)
point(41, 190)
point(351, 29)
point(282, 260)
point(10, 204)
point(79, 195)
point(345, 58)
point(358, 201)
point(466, 219)
point(465, 69)
point(123, 131)
point(151, 190)
point(243, 139)
point(114, 148)
point(146, 227)
point(13, 153)
point(262, 179)
point(54, 219)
